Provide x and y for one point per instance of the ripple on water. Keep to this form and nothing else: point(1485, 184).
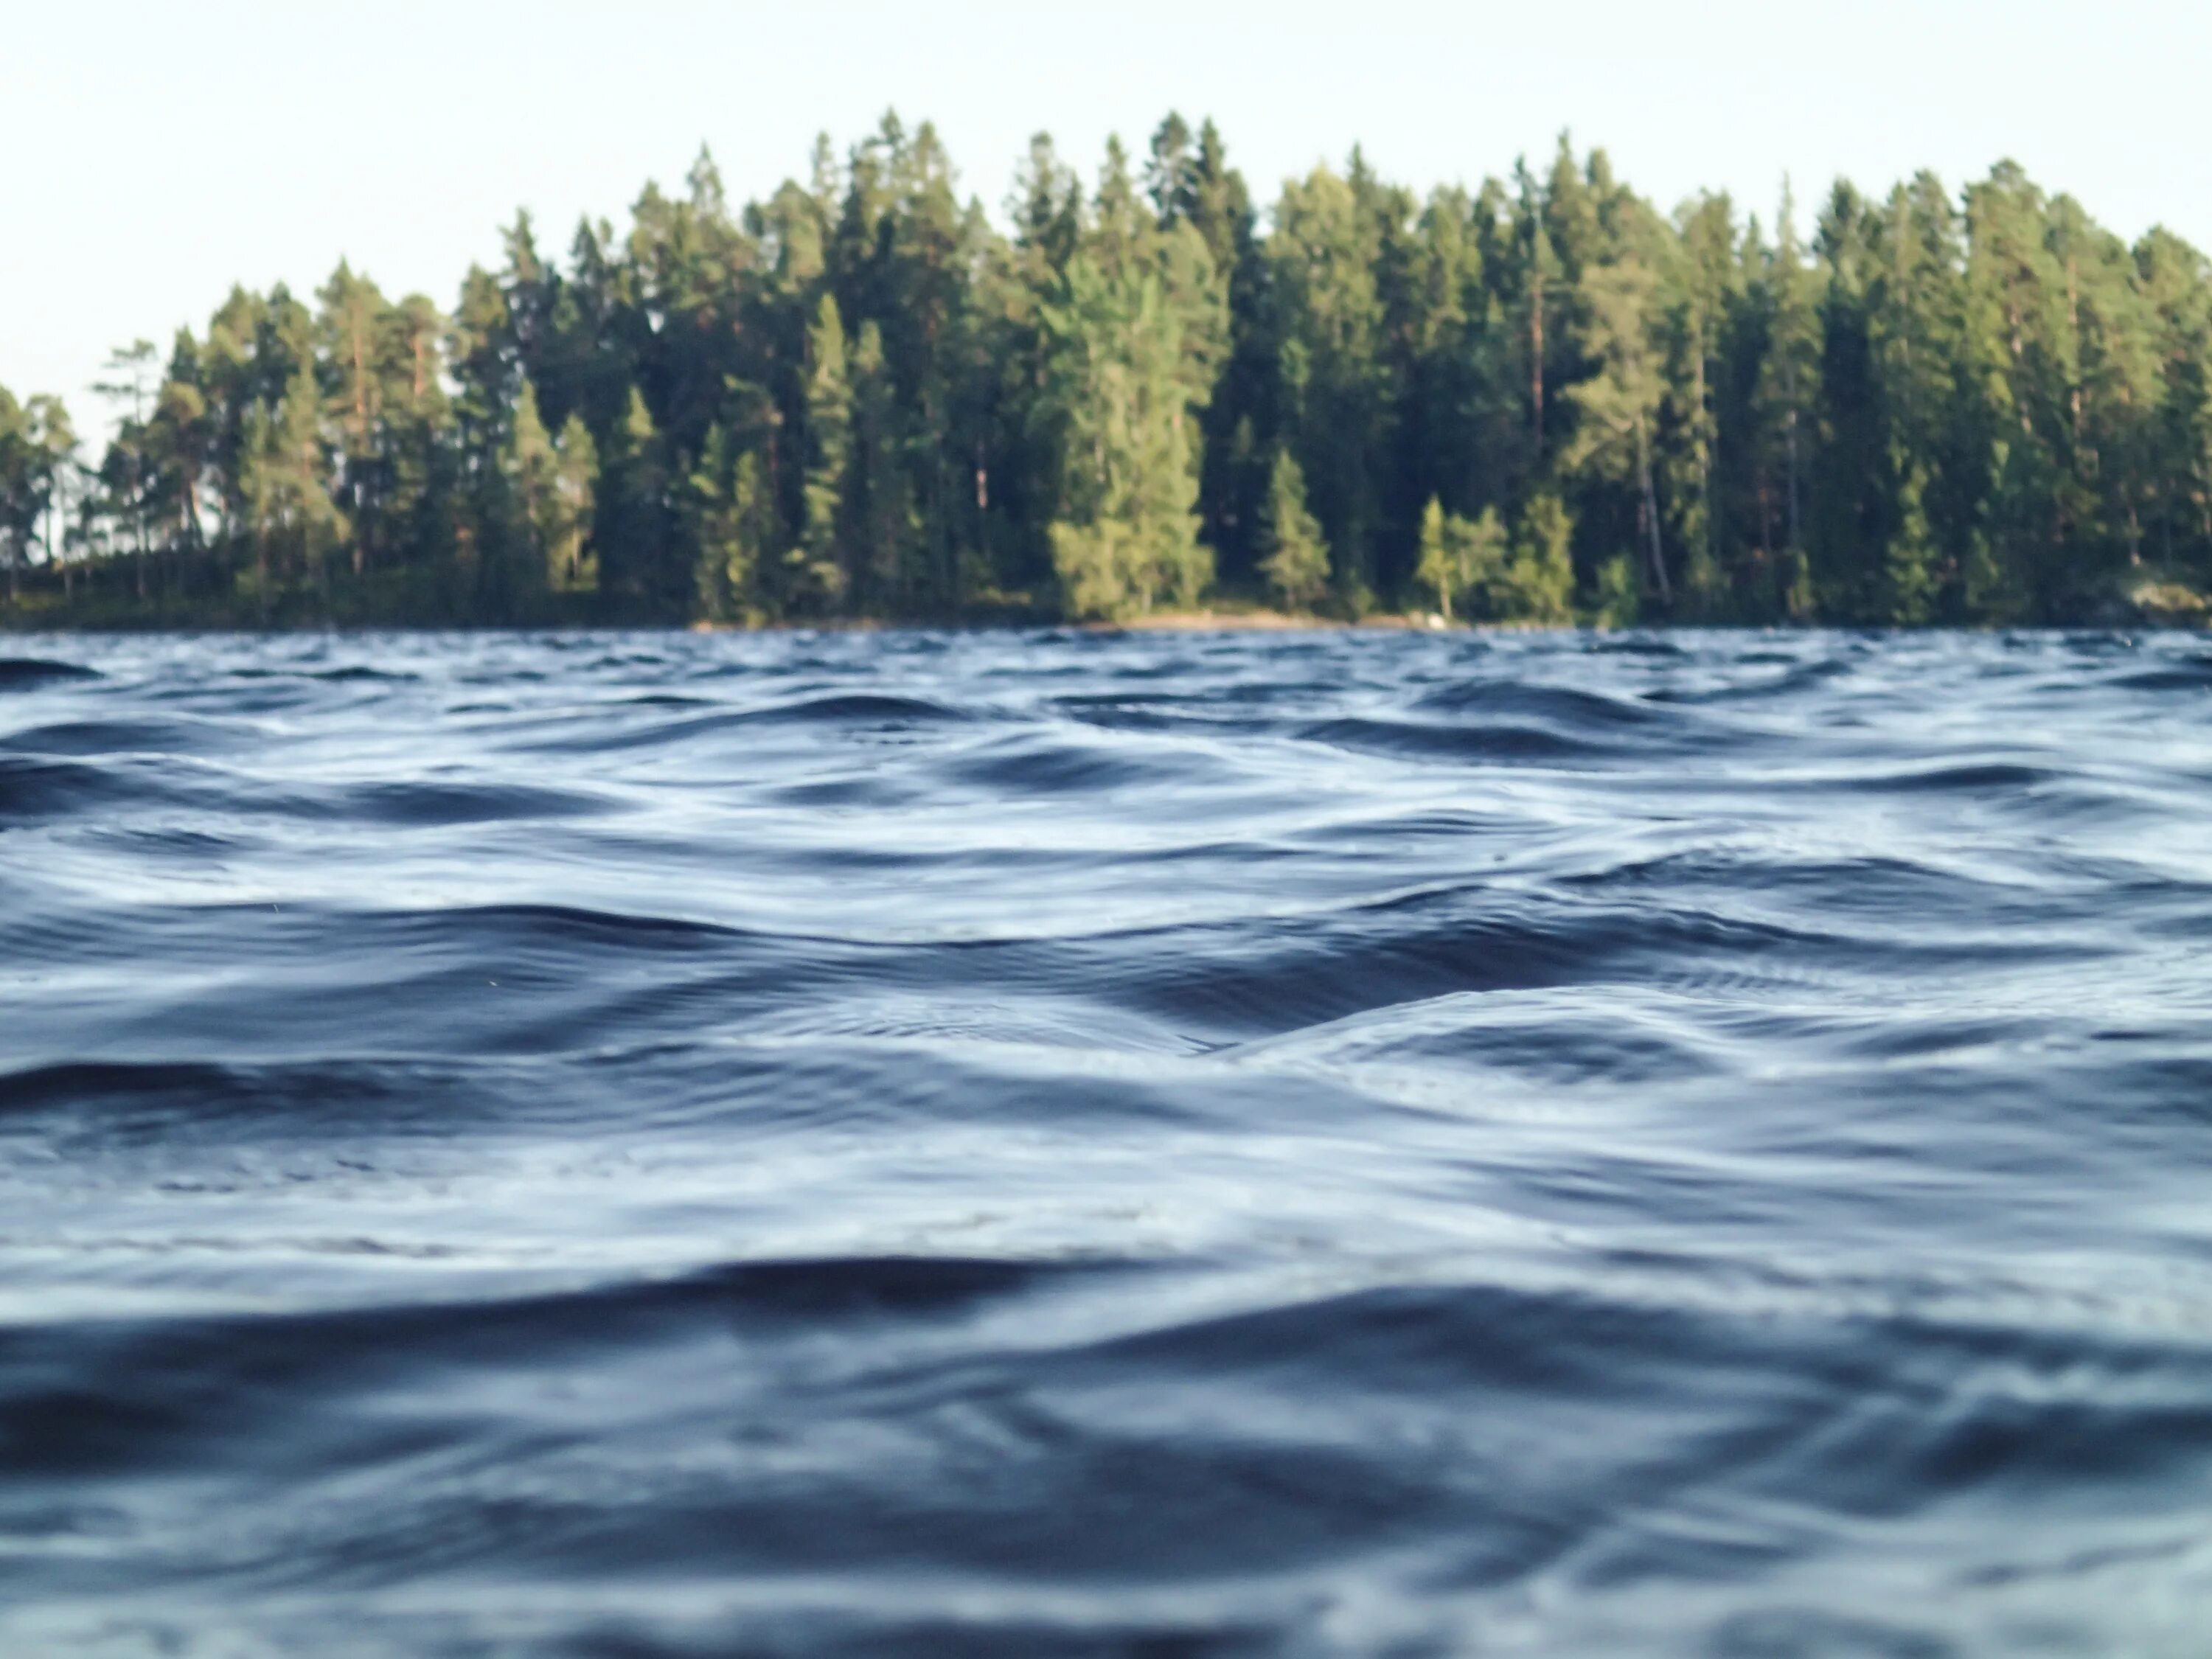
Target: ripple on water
point(1055, 1143)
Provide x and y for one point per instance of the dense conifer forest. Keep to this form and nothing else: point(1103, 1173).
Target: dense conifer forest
point(1544, 401)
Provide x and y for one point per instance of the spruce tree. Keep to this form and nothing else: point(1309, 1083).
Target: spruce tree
point(1788, 377)
point(1540, 576)
point(729, 515)
point(37, 443)
point(1700, 292)
point(572, 565)
point(1620, 597)
point(825, 571)
point(355, 331)
point(1328, 315)
point(1459, 556)
point(1918, 313)
point(1910, 568)
point(882, 513)
point(19, 508)
point(1132, 335)
point(1618, 406)
point(1295, 557)
point(1127, 534)
point(530, 546)
point(636, 531)
point(295, 520)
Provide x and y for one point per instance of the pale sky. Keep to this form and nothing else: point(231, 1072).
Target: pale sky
point(157, 152)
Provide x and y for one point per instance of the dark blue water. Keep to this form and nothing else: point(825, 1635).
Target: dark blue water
point(1318, 1144)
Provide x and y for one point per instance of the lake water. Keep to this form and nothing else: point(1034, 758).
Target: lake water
point(1036, 1144)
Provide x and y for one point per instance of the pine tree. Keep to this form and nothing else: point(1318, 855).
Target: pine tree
point(1618, 406)
point(635, 530)
point(37, 444)
point(1788, 379)
point(19, 507)
point(1328, 315)
point(2177, 285)
point(1127, 535)
point(1540, 576)
point(572, 566)
point(1910, 567)
point(528, 463)
point(1700, 292)
point(552, 484)
point(1191, 182)
point(1620, 598)
point(1295, 556)
point(1917, 328)
point(883, 511)
point(1527, 578)
point(1460, 556)
point(1538, 278)
point(421, 478)
point(1132, 335)
point(124, 471)
point(287, 488)
point(730, 517)
point(355, 338)
point(825, 571)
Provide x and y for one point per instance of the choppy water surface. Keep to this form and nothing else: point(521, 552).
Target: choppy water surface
point(1319, 1144)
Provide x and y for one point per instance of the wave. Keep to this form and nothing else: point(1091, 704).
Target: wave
point(2176, 674)
point(163, 736)
point(34, 673)
point(1495, 741)
point(825, 713)
point(1077, 1143)
point(1566, 705)
point(350, 674)
point(32, 790)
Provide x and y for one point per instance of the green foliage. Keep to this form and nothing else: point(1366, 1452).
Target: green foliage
point(1620, 598)
point(884, 527)
point(37, 443)
point(820, 562)
point(572, 565)
point(552, 484)
point(1910, 568)
point(1294, 557)
point(1328, 316)
point(860, 398)
point(285, 483)
point(1459, 556)
point(1618, 406)
point(1539, 581)
point(637, 530)
point(1528, 578)
point(730, 521)
point(1781, 315)
point(1132, 333)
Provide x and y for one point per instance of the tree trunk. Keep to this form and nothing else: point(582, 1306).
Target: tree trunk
point(1537, 357)
point(1651, 512)
point(1796, 534)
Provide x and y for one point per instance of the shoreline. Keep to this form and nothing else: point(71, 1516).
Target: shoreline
point(1261, 621)
point(2140, 617)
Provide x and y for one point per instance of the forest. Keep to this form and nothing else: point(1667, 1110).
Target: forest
point(1544, 401)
